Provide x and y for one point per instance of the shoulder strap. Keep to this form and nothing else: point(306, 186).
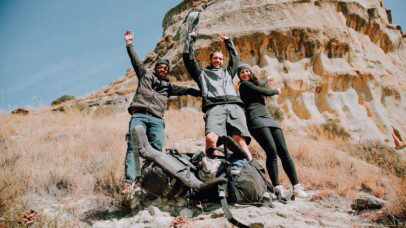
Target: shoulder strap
point(224, 205)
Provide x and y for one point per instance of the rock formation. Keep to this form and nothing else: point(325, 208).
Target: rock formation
point(335, 59)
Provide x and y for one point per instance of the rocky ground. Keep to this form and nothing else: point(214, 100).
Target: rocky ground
point(332, 211)
point(335, 211)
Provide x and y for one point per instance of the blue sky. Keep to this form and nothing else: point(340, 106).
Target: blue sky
point(50, 48)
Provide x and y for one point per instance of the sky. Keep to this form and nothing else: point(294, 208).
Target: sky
point(49, 48)
point(53, 47)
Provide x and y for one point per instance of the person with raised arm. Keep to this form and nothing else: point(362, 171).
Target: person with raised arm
point(220, 102)
point(147, 108)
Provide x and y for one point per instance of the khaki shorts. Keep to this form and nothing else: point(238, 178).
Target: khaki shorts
point(227, 119)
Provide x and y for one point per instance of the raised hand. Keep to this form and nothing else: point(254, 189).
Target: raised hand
point(128, 36)
point(222, 36)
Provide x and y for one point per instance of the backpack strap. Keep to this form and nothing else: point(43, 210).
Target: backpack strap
point(224, 205)
point(222, 190)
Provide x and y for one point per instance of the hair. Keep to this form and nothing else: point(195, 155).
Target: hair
point(215, 51)
point(252, 79)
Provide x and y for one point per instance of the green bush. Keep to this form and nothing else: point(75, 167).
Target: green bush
point(276, 112)
point(62, 99)
point(333, 129)
point(378, 154)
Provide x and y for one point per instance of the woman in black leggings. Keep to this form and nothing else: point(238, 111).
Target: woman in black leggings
point(264, 129)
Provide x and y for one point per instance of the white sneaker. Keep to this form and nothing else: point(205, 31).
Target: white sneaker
point(280, 193)
point(299, 191)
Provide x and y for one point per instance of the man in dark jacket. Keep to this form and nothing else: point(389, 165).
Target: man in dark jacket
point(148, 106)
point(222, 105)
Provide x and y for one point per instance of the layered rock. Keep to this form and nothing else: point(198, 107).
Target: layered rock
point(340, 59)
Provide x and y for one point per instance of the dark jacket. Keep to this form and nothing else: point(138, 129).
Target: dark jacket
point(254, 102)
point(216, 84)
point(153, 92)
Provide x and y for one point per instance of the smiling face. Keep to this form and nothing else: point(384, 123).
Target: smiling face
point(245, 74)
point(161, 70)
point(216, 60)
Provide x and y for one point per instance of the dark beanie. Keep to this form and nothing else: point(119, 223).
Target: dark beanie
point(243, 66)
point(162, 61)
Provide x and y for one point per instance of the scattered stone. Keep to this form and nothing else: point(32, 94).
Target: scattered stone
point(154, 211)
point(281, 214)
point(186, 212)
point(217, 214)
point(365, 201)
point(257, 225)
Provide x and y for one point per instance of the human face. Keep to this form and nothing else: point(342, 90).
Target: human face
point(161, 70)
point(217, 60)
point(245, 74)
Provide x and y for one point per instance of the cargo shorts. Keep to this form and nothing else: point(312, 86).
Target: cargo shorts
point(227, 119)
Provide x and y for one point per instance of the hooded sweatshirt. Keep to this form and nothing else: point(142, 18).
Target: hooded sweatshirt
point(153, 92)
point(216, 84)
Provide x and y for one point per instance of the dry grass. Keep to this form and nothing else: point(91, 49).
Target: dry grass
point(58, 154)
point(378, 154)
point(75, 154)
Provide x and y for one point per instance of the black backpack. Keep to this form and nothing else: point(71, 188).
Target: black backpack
point(173, 174)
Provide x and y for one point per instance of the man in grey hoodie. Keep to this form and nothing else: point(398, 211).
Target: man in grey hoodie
point(221, 104)
point(148, 106)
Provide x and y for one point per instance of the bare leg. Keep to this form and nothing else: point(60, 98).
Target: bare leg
point(241, 141)
point(211, 140)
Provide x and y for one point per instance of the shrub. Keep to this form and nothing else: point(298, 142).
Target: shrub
point(276, 112)
point(333, 129)
point(62, 99)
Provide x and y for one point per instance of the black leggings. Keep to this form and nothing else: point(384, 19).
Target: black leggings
point(273, 143)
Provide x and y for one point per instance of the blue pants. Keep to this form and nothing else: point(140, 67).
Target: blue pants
point(155, 129)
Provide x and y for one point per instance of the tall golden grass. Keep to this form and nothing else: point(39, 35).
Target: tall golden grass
point(76, 154)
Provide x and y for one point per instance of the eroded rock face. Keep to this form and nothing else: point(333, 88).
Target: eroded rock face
point(335, 59)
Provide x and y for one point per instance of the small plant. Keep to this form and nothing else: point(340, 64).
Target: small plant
point(276, 112)
point(62, 99)
point(333, 129)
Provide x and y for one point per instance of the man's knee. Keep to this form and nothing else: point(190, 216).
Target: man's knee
point(211, 139)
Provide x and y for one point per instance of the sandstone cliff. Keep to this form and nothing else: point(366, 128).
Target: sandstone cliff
point(335, 59)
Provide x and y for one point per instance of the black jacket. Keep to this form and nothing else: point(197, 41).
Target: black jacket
point(153, 92)
point(253, 98)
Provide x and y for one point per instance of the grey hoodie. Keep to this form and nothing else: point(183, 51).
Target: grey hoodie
point(216, 84)
point(153, 92)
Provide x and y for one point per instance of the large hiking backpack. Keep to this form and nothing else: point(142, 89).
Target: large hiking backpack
point(172, 174)
point(247, 185)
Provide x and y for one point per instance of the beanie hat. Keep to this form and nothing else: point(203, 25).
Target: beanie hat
point(162, 61)
point(243, 66)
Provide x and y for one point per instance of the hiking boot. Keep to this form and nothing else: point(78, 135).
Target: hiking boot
point(192, 20)
point(299, 191)
point(280, 193)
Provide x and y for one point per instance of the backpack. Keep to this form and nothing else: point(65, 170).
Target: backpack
point(173, 174)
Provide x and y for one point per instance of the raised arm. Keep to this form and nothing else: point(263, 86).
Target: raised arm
point(135, 61)
point(251, 88)
point(233, 61)
point(189, 59)
point(181, 90)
